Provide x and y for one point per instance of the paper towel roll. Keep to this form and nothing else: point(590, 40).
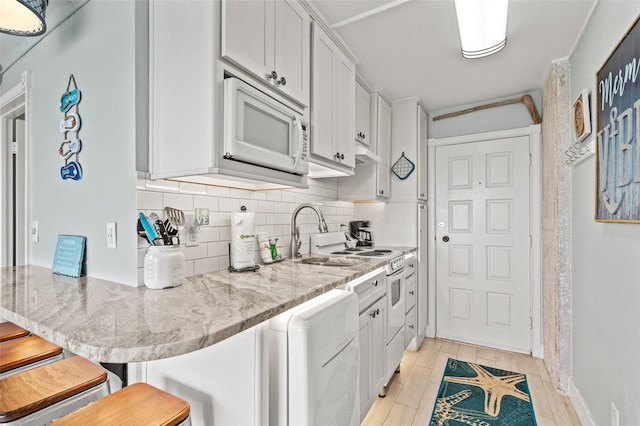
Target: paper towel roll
point(242, 240)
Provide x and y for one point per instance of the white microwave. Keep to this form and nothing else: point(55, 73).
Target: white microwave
point(260, 130)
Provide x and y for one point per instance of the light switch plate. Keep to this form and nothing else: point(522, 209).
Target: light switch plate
point(111, 235)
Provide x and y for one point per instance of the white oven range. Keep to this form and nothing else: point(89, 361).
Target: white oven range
point(336, 244)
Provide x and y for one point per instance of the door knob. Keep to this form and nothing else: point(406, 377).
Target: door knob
point(445, 238)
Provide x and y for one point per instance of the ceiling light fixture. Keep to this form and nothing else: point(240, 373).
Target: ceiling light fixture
point(23, 17)
point(482, 25)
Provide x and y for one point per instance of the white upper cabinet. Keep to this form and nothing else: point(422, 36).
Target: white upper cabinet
point(332, 105)
point(409, 136)
point(383, 139)
point(271, 40)
point(363, 115)
point(372, 180)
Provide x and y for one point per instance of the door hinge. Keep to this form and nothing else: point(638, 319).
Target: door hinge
point(530, 159)
point(530, 241)
point(530, 323)
point(14, 148)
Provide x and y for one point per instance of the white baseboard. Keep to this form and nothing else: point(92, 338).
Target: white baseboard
point(583, 412)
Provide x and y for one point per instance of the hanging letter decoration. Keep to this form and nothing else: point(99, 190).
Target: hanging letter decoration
point(70, 128)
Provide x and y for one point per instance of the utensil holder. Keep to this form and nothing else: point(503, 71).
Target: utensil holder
point(163, 267)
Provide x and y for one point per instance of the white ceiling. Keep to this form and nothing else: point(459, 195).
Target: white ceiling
point(412, 49)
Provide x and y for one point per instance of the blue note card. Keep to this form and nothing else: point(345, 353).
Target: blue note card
point(69, 255)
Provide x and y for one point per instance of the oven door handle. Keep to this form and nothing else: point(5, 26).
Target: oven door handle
point(397, 274)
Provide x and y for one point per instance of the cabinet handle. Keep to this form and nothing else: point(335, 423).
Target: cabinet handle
point(412, 292)
point(411, 265)
point(381, 191)
point(364, 136)
point(422, 194)
point(411, 327)
point(375, 283)
point(338, 156)
point(281, 82)
point(272, 75)
point(374, 313)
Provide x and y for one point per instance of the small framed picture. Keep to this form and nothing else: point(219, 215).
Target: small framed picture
point(582, 116)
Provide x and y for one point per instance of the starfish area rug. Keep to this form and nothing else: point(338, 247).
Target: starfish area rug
point(475, 395)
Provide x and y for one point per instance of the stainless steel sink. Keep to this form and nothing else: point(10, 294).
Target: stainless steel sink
point(328, 261)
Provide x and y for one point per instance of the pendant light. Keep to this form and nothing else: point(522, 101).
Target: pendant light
point(482, 25)
point(23, 17)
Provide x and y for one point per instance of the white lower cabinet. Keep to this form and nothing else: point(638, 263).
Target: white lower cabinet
point(372, 353)
point(223, 383)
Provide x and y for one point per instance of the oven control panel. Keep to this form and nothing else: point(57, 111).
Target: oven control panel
point(396, 264)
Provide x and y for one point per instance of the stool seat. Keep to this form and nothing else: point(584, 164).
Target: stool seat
point(41, 387)
point(136, 404)
point(20, 352)
point(10, 331)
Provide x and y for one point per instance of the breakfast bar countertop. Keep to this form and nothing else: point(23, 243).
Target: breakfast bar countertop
point(110, 322)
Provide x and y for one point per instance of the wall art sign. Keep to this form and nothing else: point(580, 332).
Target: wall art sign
point(69, 255)
point(618, 132)
point(70, 128)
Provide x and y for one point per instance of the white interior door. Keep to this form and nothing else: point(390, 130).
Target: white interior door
point(483, 293)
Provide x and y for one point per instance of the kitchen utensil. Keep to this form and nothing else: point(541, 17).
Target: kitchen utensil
point(176, 220)
point(148, 229)
point(141, 232)
point(160, 230)
point(171, 232)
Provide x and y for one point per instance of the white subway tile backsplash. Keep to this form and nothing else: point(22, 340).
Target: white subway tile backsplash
point(149, 200)
point(178, 201)
point(272, 209)
point(229, 204)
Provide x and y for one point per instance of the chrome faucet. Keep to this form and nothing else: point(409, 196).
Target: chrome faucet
point(296, 242)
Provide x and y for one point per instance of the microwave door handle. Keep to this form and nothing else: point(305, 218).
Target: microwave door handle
point(298, 154)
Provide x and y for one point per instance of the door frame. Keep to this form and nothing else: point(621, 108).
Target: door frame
point(14, 102)
point(535, 205)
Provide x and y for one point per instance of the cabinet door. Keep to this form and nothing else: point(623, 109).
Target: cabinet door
point(364, 367)
point(378, 345)
point(344, 86)
point(363, 115)
point(423, 271)
point(322, 143)
point(384, 145)
point(291, 49)
point(410, 286)
point(411, 328)
point(422, 154)
point(247, 35)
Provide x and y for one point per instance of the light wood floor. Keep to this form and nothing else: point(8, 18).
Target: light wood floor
point(411, 393)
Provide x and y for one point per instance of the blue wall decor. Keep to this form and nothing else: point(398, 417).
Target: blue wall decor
point(70, 124)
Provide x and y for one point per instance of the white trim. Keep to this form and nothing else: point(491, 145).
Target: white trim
point(582, 410)
point(16, 99)
point(534, 134)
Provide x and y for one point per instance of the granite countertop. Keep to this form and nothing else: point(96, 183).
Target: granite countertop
point(109, 322)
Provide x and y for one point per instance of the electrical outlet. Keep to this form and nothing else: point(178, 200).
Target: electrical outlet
point(35, 231)
point(191, 232)
point(111, 235)
point(615, 416)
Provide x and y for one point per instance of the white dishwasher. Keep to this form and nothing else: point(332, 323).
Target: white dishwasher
point(313, 362)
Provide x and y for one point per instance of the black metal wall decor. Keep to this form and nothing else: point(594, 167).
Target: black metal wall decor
point(618, 132)
point(70, 128)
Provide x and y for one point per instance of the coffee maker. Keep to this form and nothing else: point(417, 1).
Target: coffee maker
point(360, 229)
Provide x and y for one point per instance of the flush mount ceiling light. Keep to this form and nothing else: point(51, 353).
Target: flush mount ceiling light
point(23, 17)
point(482, 25)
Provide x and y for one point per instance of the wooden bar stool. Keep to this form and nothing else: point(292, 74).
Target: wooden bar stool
point(136, 404)
point(10, 331)
point(22, 354)
point(43, 394)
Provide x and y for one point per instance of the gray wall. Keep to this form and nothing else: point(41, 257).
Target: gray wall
point(605, 256)
point(489, 120)
point(97, 46)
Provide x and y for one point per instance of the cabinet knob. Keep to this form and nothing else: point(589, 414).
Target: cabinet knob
point(411, 327)
point(382, 192)
point(272, 75)
point(281, 82)
point(422, 194)
point(412, 292)
point(445, 238)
